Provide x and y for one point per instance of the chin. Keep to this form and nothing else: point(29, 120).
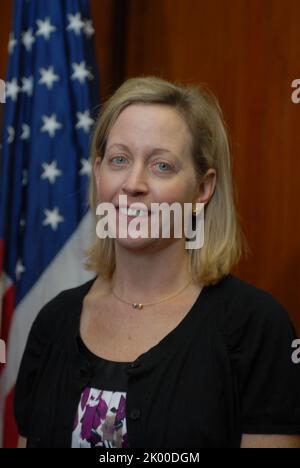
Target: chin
point(142, 245)
point(135, 244)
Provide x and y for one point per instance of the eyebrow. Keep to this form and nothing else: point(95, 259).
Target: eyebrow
point(154, 150)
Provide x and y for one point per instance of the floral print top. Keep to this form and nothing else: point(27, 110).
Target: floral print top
point(101, 416)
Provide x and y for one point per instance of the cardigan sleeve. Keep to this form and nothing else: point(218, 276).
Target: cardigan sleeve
point(32, 365)
point(261, 339)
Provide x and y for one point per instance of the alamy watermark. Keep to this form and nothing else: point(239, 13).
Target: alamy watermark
point(296, 353)
point(2, 352)
point(166, 220)
point(295, 97)
point(2, 92)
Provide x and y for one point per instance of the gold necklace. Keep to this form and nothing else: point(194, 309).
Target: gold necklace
point(136, 305)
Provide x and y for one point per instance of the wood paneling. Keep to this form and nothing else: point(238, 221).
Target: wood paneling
point(248, 53)
point(109, 17)
point(5, 27)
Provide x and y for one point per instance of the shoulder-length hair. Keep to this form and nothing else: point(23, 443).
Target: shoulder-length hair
point(224, 240)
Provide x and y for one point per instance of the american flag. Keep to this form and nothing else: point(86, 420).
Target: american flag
point(52, 96)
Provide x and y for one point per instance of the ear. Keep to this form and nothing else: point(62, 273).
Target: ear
point(207, 186)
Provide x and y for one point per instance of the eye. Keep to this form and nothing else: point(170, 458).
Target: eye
point(118, 160)
point(164, 167)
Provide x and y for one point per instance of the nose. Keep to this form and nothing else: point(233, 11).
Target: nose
point(135, 182)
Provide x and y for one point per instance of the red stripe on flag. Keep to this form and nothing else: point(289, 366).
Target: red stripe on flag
point(10, 431)
point(8, 307)
point(10, 436)
point(8, 301)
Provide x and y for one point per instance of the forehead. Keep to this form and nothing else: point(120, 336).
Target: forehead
point(150, 125)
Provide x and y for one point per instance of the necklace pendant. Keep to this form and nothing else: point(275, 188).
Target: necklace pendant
point(137, 306)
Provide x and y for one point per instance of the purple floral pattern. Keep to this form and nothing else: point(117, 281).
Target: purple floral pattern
point(100, 420)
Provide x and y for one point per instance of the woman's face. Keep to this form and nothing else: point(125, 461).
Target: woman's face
point(148, 159)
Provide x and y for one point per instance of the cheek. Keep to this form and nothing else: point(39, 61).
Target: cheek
point(106, 186)
point(180, 191)
point(103, 187)
point(189, 189)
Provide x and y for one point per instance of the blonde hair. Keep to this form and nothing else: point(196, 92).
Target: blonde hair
point(224, 241)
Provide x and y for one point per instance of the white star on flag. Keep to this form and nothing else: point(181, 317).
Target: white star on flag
point(11, 135)
point(25, 132)
point(19, 269)
point(52, 218)
point(51, 125)
point(12, 43)
point(50, 171)
point(48, 77)
point(84, 120)
point(27, 85)
point(45, 28)
point(28, 39)
point(88, 28)
point(81, 73)
point(86, 167)
point(75, 23)
point(12, 89)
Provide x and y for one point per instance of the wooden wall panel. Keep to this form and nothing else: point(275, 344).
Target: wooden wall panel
point(110, 18)
point(5, 26)
point(248, 53)
point(102, 12)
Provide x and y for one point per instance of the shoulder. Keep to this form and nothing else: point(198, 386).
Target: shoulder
point(63, 309)
point(242, 304)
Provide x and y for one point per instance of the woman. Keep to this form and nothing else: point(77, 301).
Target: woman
point(164, 347)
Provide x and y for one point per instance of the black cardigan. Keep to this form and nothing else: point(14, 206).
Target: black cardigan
point(225, 370)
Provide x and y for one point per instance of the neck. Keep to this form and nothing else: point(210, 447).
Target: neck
point(148, 276)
